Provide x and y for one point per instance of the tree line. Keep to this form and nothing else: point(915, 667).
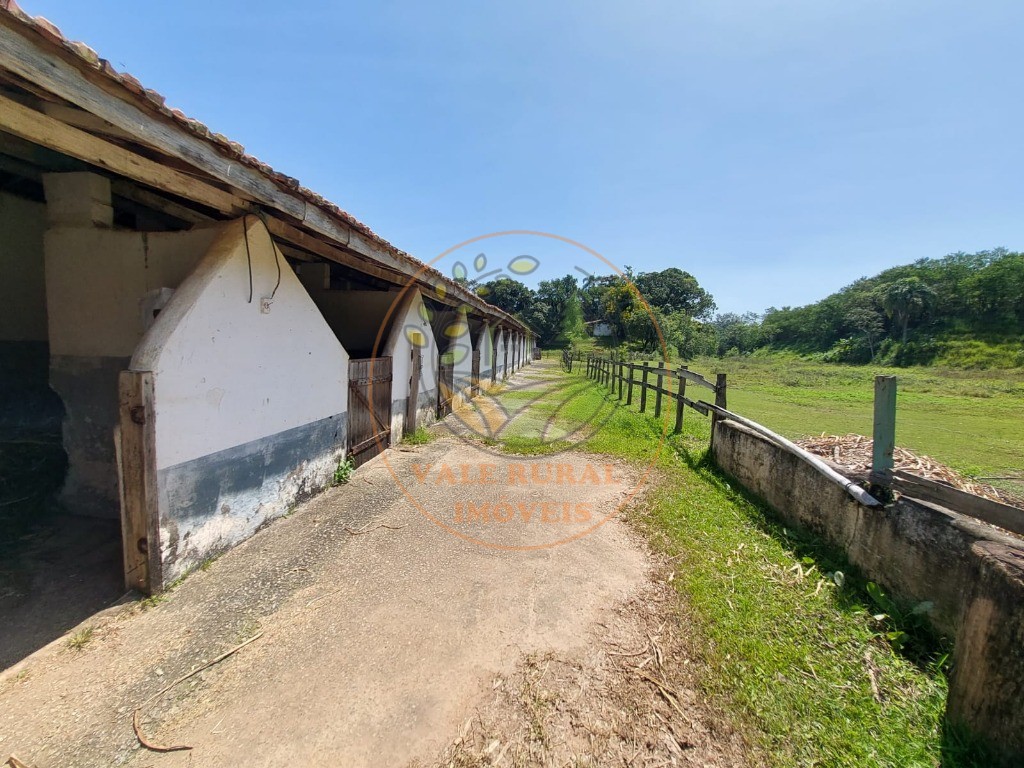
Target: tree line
point(905, 315)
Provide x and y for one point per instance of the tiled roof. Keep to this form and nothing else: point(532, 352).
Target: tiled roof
point(147, 97)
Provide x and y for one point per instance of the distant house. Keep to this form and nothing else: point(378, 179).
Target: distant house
point(602, 328)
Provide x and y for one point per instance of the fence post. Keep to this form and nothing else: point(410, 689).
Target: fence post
point(884, 435)
point(679, 399)
point(720, 401)
point(629, 387)
point(643, 388)
point(657, 393)
point(620, 378)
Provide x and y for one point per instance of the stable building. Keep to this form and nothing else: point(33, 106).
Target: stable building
point(207, 337)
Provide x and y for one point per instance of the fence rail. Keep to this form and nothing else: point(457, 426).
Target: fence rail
point(621, 377)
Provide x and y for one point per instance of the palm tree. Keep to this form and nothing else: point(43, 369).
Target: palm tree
point(904, 300)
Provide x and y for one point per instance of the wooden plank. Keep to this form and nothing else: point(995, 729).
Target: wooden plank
point(992, 512)
point(884, 430)
point(129, 191)
point(308, 242)
point(414, 390)
point(137, 481)
point(61, 74)
point(698, 405)
point(696, 378)
point(39, 129)
point(81, 119)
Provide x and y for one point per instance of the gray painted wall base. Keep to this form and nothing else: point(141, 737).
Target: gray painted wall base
point(212, 503)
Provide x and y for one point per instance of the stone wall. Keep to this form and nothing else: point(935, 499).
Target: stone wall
point(971, 573)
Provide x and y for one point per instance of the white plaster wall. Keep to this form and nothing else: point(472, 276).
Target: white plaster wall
point(410, 329)
point(462, 348)
point(227, 373)
point(485, 343)
point(96, 280)
point(502, 345)
point(23, 304)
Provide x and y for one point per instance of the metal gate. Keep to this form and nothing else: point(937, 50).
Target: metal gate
point(369, 408)
point(445, 384)
point(475, 381)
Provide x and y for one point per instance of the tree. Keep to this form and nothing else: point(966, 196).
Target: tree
point(509, 295)
point(673, 290)
point(867, 320)
point(904, 300)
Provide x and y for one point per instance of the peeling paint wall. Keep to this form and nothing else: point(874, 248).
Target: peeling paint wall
point(250, 401)
point(99, 289)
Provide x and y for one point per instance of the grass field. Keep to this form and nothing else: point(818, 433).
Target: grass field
point(970, 420)
point(788, 648)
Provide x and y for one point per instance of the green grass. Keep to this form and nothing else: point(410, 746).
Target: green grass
point(794, 652)
point(81, 638)
point(421, 436)
point(970, 420)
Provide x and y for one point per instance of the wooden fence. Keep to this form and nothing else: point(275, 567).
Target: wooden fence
point(624, 378)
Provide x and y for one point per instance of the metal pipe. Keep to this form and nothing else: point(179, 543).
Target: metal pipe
point(843, 482)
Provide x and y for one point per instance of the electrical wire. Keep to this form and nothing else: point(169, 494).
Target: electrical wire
point(273, 249)
point(248, 255)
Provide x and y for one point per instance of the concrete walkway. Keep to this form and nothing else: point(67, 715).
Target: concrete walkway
point(377, 642)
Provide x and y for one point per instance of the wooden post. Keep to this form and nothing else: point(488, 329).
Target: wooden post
point(679, 400)
point(643, 388)
point(884, 434)
point(657, 397)
point(629, 385)
point(619, 377)
point(136, 450)
point(720, 401)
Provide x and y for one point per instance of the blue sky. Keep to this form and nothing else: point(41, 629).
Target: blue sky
point(776, 150)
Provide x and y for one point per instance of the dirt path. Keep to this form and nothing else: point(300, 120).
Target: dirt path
point(391, 645)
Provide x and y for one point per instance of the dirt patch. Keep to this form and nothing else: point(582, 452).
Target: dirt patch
point(629, 697)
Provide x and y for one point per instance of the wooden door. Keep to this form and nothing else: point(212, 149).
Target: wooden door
point(369, 408)
point(475, 380)
point(445, 384)
point(414, 391)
